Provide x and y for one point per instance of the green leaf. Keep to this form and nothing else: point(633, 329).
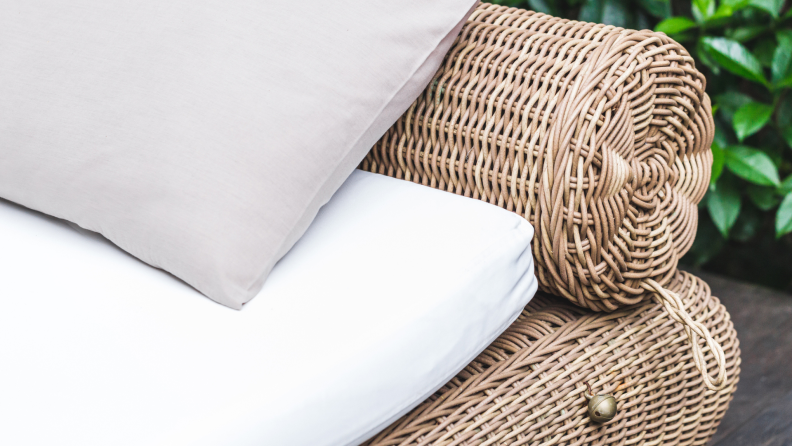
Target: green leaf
point(723, 203)
point(717, 162)
point(783, 222)
point(750, 118)
point(723, 12)
point(786, 186)
point(752, 165)
point(703, 9)
point(763, 197)
point(771, 6)
point(736, 4)
point(675, 25)
point(746, 33)
point(782, 59)
point(734, 57)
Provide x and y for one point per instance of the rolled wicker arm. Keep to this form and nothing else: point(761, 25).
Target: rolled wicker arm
point(598, 135)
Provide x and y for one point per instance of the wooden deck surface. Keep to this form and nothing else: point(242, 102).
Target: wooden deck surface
point(761, 412)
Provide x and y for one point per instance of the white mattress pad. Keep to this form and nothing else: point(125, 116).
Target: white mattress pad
point(392, 291)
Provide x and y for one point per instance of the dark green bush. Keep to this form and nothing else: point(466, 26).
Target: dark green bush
point(744, 47)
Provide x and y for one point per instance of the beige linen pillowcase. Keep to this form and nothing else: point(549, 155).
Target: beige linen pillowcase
point(202, 136)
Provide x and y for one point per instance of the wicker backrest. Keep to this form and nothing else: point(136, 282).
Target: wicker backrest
point(599, 136)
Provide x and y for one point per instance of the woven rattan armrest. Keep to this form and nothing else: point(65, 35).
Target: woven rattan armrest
point(600, 137)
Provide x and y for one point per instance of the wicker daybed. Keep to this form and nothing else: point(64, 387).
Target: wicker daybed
point(600, 137)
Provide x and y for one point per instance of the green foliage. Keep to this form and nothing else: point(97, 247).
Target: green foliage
point(631, 14)
point(750, 118)
point(723, 203)
point(733, 56)
point(782, 57)
point(786, 186)
point(744, 48)
point(752, 165)
point(773, 7)
point(674, 25)
point(784, 220)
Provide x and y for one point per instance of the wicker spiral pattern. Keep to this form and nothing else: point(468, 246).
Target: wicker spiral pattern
point(599, 136)
point(527, 387)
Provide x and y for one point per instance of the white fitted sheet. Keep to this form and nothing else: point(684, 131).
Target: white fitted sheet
point(394, 289)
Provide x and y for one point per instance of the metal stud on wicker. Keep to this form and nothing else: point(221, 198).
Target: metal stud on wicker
point(528, 387)
point(598, 135)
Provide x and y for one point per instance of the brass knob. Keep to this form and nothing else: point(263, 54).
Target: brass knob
point(601, 408)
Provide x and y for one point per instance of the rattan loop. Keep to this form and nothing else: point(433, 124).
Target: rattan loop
point(693, 329)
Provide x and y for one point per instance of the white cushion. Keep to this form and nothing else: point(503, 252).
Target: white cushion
point(393, 289)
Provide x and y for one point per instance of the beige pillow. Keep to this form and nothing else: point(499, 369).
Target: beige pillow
point(202, 136)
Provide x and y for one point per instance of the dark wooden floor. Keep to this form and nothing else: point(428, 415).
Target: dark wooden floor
point(761, 412)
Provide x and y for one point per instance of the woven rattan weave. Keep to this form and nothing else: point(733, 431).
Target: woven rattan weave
point(527, 387)
point(598, 135)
